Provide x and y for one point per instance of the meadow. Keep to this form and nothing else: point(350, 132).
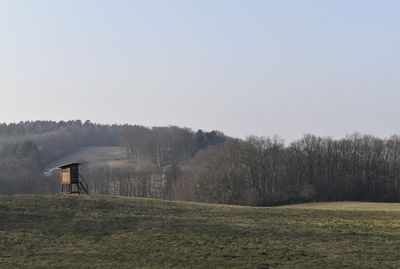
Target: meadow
point(61, 231)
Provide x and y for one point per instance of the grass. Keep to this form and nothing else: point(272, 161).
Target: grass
point(349, 206)
point(114, 232)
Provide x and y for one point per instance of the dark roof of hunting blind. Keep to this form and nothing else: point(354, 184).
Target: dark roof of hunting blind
point(69, 165)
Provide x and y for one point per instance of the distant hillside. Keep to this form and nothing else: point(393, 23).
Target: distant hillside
point(171, 162)
point(118, 233)
point(30, 150)
point(56, 140)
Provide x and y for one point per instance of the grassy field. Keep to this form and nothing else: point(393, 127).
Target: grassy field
point(114, 232)
point(94, 156)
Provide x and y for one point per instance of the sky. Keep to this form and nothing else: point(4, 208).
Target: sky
point(286, 67)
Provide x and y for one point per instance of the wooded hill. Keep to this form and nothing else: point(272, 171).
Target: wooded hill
point(26, 148)
point(178, 163)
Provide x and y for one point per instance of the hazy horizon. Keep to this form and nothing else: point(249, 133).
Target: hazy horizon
point(260, 67)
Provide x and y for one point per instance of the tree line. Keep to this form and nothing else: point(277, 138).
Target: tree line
point(179, 163)
point(265, 171)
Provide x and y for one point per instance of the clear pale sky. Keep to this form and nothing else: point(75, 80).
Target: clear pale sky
point(242, 67)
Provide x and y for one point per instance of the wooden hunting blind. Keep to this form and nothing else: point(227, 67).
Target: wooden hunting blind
point(71, 180)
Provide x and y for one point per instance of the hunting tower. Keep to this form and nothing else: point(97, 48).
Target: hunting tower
point(71, 180)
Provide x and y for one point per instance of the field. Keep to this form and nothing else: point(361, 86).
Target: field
point(114, 232)
point(93, 156)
